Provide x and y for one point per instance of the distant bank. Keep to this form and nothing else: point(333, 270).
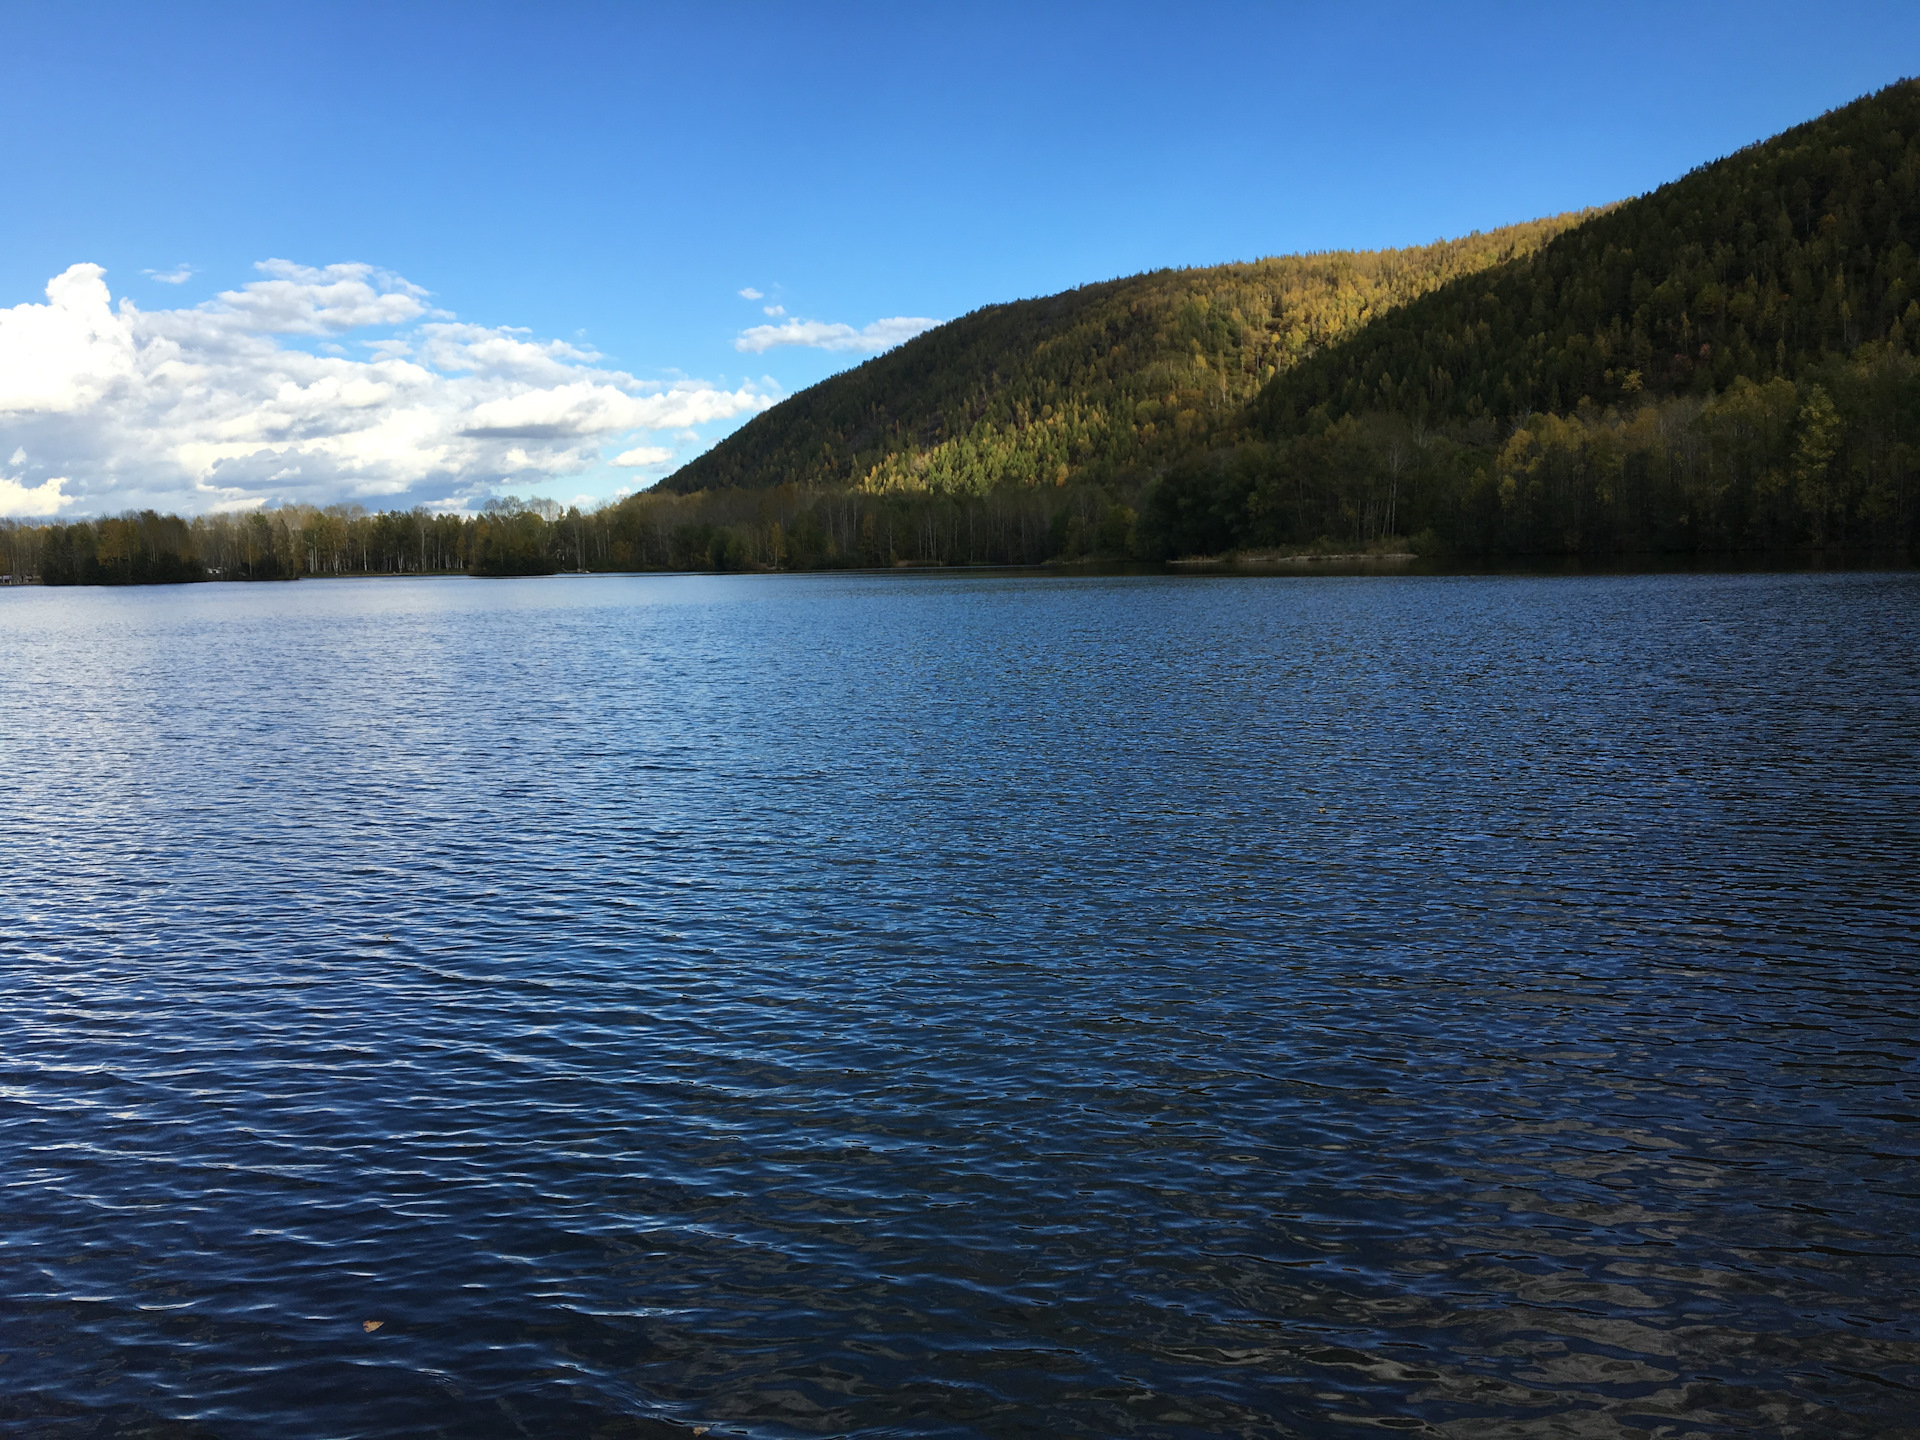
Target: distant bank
point(1723, 367)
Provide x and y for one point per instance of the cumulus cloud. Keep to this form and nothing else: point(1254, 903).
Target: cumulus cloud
point(773, 309)
point(297, 300)
point(63, 356)
point(35, 500)
point(586, 408)
point(501, 352)
point(211, 407)
point(644, 455)
point(818, 334)
point(179, 275)
point(752, 294)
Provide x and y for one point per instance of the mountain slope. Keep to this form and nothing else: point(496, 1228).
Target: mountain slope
point(1754, 266)
point(1103, 381)
point(1726, 363)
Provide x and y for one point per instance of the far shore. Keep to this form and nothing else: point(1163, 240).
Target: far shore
point(1352, 564)
point(1254, 559)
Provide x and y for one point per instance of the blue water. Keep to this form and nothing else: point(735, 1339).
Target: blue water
point(874, 1006)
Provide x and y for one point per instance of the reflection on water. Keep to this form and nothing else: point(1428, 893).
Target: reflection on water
point(1144, 1006)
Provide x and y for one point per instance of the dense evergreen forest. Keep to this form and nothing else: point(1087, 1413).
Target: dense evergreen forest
point(1100, 384)
point(1726, 364)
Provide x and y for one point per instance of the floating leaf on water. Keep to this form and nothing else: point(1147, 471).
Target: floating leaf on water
point(371, 1325)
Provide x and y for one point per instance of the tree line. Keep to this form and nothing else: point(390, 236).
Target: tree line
point(783, 529)
point(1827, 463)
point(1830, 461)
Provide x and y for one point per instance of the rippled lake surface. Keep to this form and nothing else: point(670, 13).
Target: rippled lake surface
point(961, 1006)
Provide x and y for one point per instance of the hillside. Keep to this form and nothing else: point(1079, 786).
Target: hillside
point(1759, 265)
point(1726, 363)
point(1106, 381)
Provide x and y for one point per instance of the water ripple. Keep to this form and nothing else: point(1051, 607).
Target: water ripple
point(987, 1007)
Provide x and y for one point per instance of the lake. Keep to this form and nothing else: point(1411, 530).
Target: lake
point(941, 1005)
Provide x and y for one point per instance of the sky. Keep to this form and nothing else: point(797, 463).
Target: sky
point(415, 253)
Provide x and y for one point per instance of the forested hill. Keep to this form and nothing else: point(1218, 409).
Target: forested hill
point(1727, 363)
point(1758, 265)
point(1100, 383)
point(1730, 363)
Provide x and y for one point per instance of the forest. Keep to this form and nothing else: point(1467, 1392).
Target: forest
point(786, 528)
point(1775, 467)
point(1725, 365)
point(1102, 384)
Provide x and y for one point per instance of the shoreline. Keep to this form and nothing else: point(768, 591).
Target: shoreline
point(1350, 565)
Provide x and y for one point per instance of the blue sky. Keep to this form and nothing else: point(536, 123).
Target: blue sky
point(569, 198)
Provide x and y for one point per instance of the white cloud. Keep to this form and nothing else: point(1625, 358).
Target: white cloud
point(207, 407)
point(499, 352)
point(179, 275)
point(296, 300)
point(61, 357)
point(881, 335)
point(585, 408)
point(752, 294)
point(773, 309)
point(42, 499)
point(644, 455)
